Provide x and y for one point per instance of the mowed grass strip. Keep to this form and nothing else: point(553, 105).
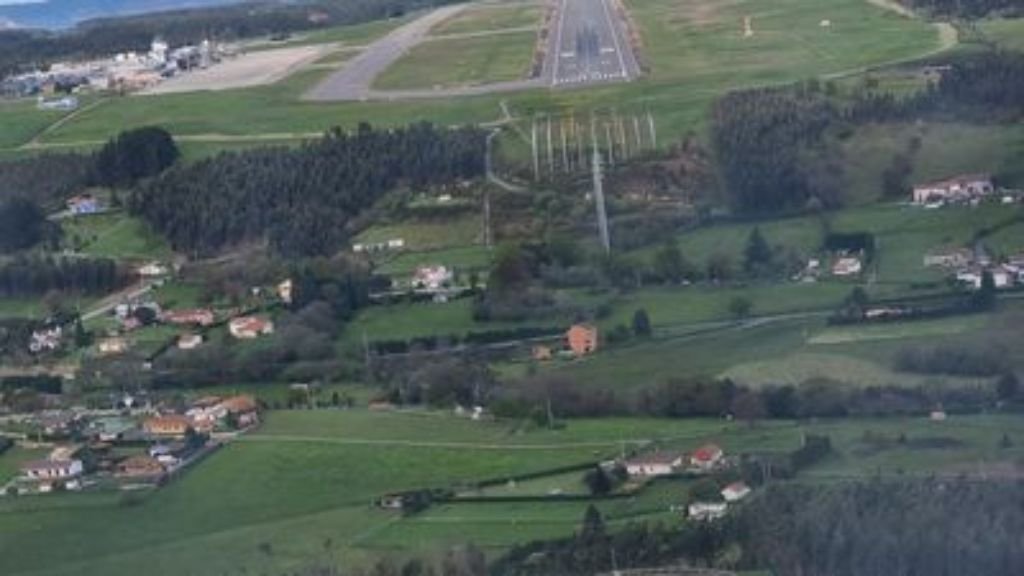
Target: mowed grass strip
point(488, 17)
point(461, 62)
point(21, 120)
point(788, 38)
point(116, 236)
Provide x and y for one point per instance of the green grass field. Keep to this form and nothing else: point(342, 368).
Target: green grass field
point(299, 490)
point(22, 121)
point(695, 54)
point(423, 236)
point(1008, 33)
point(488, 17)
point(461, 61)
point(116, 236)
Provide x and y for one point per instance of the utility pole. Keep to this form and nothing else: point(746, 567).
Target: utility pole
point(551, 152)
point(581, 158)
point(636, 133)
point(622, 135)
point(602, 215)
point(533, 146)
point(611, 144)
point(565, 149)
point(650, 125)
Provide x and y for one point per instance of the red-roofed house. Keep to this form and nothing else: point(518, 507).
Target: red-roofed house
point(196, 317)
point(250, 327)
point(707, 457)
point(735, 492)
point(958, 189)
point(582, 339)
point(171, 425)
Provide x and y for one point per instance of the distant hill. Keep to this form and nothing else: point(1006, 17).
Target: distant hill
point(55, 14)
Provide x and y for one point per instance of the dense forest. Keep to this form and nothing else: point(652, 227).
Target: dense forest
point(934, 527)
point(967, 8)
point(24, 49)
point(775, 147)
point(300, 200)
point(47, 179)
point(23, 225)
point(35, 276)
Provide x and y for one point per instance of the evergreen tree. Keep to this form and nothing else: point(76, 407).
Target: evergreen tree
point(758, 254)
point(641, 323)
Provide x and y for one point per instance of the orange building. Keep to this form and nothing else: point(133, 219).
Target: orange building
point(172, 425)
point(582, 339)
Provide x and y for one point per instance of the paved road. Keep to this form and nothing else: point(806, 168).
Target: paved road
point(353, 81)
point(590, 45)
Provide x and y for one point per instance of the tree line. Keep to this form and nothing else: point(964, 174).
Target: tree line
point(22, 50)
point(967, 8)
point(935, 527)
point(35, 276)
point(301, 201)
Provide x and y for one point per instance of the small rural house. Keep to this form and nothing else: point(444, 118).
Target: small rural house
point(949, 258)
point(956, 189)
point(432, 278)
point(582, 339)
point(707, 511)
point(285, 290)
point(83, 204)
point(170, 425)
point(541, 353)
point(52, 469)
point(707, 457)
point(656, 464)
point(139, 466)
point(735, 492)
point(250, 327)
point(243, 407)
point(46, 340)
point(110, 346)
point(973, 277)
point(194, 317)
point(847, 266)
point(152, 270)
point(190, 341)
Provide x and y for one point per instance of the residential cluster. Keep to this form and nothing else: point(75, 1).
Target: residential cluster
point(705, 460)
point(125, 449)
point(968, 266)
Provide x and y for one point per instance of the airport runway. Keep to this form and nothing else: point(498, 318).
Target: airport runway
point(587, 44)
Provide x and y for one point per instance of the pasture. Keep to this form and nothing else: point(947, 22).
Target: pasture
point(115, 235)
point(298, 492)
point(1008, 33)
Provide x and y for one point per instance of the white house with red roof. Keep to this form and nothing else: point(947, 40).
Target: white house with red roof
point(250, 327)
point(707, 457)
point(735, 492)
